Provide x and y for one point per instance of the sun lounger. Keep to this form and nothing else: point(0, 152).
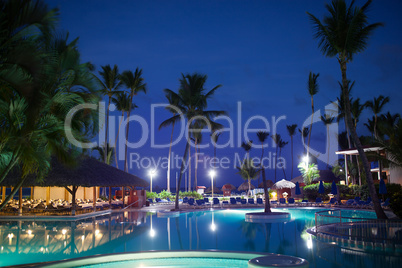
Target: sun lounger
point(243, 201)
point(386, 203)
point(291, 201)
point(318, 201)
point(238, 200)
point(185, 199)
point(251, 201)
point(259, 201)
point(215, 201)
point(282, 201)
point(233, 201)
point(191, 201)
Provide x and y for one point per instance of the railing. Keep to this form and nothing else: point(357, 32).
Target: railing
point(331, 222)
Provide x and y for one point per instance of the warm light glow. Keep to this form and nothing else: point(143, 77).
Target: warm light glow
point(152, 172)
point(29, 232)
point(342, 182)
point(305, 159)
point(212, 173)
point(97, 231)
point(10, 236)
point(152, 233)
point(64, 231)
point(273, 194)
point(83, 237)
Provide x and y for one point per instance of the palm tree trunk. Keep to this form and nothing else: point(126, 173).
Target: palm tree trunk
point(267, 203)
point(283, 168)
point(189, 168)
point(311, 125)
point(115, 142)
point(355, 138)
point(276, 159)
point(291, 152)
point(183, 164)
point(196, 166)
point(249, 187)
point(170, 152)
point(13, 192)
point(127, 131)
point(107, 130)
point(328, 137)
point(262, 154)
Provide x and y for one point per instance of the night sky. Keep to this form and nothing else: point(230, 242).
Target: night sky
point(260, 51)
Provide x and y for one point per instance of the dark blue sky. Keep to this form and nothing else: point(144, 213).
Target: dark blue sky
point(260, 51)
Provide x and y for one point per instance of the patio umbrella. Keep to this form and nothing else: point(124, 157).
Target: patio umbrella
point(383, 188)
point(321, 189)
point(334, 191)
point(297, 191)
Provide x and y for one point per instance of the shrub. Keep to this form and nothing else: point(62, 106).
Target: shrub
point(152, 195)
point(311, 191)
point(165, 194)
point(396, 204)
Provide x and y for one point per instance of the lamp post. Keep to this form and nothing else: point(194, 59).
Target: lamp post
point(212, 174)
point(152, 173)
point(305, 160)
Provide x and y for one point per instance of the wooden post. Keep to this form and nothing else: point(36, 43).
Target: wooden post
point(94, 197)
point(85, 193)
point(32, 192)
point(3, 194)
point(20, 202)
point(47, 195)
point(110, 195)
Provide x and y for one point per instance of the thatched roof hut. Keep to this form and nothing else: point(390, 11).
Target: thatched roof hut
point(89, 173)
point(283, 184)
point(216, 190)
point(269, 184)
point(244, 187)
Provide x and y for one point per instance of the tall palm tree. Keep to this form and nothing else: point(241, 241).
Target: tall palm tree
point(193, 98)
point(327, 120)
point(341, 109)
point(312, 87)
point(248, 171)
point(197, 138)
point(376, 105)
point(105, 152)
point(291, 131)
point(304, 134)
point(174, 108)
point(370, 126)
point(276, 138)
point(216, 133)
point(343, 33)
point(123, 104)
point(262, 136)
point(281, 145)
point(110, 87)
point(135, 83)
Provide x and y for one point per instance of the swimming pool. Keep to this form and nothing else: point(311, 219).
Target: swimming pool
point(132, 231)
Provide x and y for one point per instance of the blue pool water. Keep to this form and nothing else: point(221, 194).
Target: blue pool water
point(27, 241)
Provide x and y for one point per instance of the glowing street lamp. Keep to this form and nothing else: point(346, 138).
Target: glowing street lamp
point(305, 160)
point(212, 173)
point(152, 173)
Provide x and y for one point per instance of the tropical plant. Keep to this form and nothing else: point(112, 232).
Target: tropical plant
point(106, 153)
point(312, 87)
point(343, 33)
point(291, 131)
point(281, 145)
point(309, 172)
point(276, 138)
point(247, 147)
point(193, 99)
point(135, 83)
point(304, 134)
point(248, 171)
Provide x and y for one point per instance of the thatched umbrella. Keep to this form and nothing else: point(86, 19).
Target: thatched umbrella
point(283, 184)
point(229, 187)
point(244, 187)
point(269, 184)
point(216, 190)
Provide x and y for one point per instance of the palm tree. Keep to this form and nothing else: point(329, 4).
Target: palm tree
point(193, 100)
point(123, 104)
point(343, 33)
point(215, 136)
point(370, 126)
point(304, 134)
point(197, 138)
point(327, 120)
point(105, 152)
point(174, 108)
point(262, 136)
point(292, 131)
point(312, 87)
point(248, 171)
point(376, 105)
point(276, 139)
point(281, 145)
point(341, 109)
point(110, 85)
point(135, 83)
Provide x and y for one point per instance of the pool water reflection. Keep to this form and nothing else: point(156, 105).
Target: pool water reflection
point(26, 241)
